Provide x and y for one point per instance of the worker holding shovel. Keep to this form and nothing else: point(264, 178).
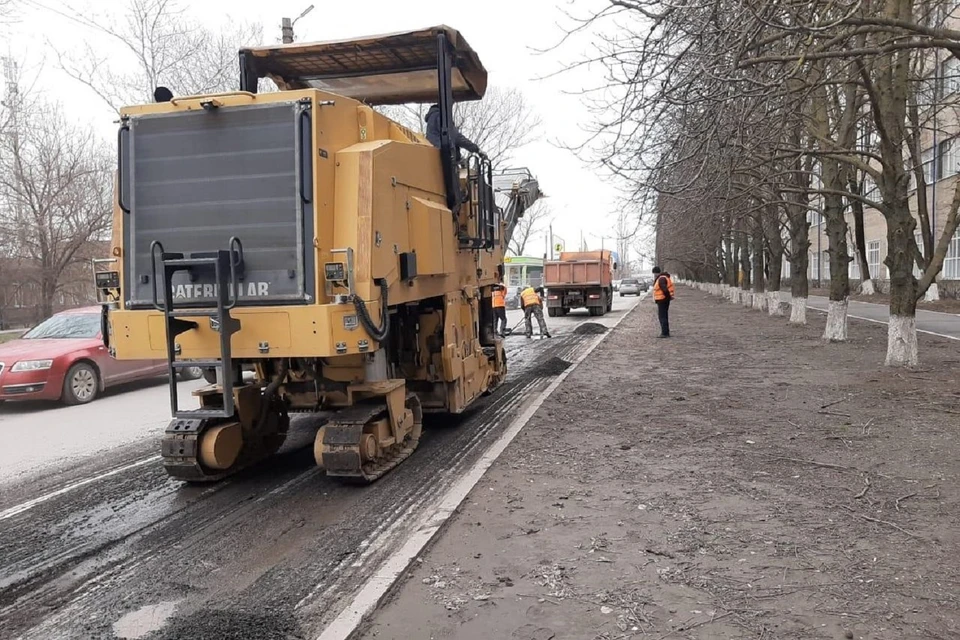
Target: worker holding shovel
point(532, 305)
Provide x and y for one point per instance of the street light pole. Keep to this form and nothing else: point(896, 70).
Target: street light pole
point(286, 26)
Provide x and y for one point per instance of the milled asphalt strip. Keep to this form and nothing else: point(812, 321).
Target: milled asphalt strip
point(366, 601)
point(30, 504)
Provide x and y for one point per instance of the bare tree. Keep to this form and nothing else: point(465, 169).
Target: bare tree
point(161, 45)
point(683, 85)
point(529, 225)
point(7, 9)
point(56, 180)
point(500, 123)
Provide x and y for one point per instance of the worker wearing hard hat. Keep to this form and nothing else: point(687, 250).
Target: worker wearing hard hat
point(499, 302)
point(663, 293)
point(532, 305)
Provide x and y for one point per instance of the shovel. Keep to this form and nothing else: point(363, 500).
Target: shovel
point(507, 332)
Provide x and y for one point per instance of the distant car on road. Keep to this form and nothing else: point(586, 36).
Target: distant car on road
point(632, 287)
point(64, 358)
point(513, 299)
point(616, 285)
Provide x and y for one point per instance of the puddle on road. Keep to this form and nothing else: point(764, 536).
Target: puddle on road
point(145, 620)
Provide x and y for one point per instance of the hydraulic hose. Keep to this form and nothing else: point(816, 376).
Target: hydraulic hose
point(271, 390)
point(377, 333)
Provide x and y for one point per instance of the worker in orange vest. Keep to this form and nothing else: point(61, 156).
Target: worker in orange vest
point(663, 293)
point(499, 300)
point(532, 305)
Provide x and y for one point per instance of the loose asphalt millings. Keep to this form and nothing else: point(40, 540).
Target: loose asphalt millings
point(552, 367)
point(590, 329)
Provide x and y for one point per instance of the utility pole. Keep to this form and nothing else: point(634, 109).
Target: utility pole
point(11, 100)
point(286, 26)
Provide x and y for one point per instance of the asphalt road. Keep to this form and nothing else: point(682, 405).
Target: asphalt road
point(943, 324)
point(101, 544)
point(49, 435)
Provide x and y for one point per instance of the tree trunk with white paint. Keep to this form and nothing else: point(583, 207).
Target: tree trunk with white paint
point(758, 268)
point(798, 310)
point(867, 288)
point(932, 294)
point(902, 342)
point(836, 329)
point(902, 332)
point(774, 301)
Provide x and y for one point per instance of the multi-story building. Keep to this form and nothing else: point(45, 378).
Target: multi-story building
point(940, 158)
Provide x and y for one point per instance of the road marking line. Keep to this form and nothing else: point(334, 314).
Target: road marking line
point(377, 539)
point(30, 504)
point(886, 322)
point(373, 591)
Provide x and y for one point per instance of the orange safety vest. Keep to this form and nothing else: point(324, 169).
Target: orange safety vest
point(658, 293)
point(499, 299)
point(530, 297)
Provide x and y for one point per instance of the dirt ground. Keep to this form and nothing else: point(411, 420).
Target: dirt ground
point(944, 305)
point(743, 479)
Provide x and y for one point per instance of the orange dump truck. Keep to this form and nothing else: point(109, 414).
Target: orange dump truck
point(579, 279)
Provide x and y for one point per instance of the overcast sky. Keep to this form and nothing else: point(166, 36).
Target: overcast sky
point(505, 33)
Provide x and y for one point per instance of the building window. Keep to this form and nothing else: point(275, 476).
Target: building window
point(535, 276)
point(949, 158)
point(951, 264)
point(870, 187)
point(853, 267)
point(950, 76)
point(865, 132)
point(873, 258)
point(918, 238)
point(814, 266)
point(926, 160)
point(826, 264)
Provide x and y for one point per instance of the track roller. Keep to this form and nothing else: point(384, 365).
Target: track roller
point(365, 441)
point(206, 450)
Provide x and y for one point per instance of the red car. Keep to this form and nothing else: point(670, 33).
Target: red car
point(63, 358)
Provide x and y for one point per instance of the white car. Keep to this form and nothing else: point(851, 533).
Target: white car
point(632, 287)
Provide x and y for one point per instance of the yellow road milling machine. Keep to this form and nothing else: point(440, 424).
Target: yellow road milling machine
point(311, 254)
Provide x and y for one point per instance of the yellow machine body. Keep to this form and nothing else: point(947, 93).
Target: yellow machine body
point(380, 221)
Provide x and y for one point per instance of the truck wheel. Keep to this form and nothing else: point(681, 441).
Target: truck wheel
point(564, 311)
point(552, 312)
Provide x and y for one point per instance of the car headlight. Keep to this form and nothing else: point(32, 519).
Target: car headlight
point(32, 365)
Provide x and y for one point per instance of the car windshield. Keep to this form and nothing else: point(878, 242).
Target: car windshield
point(66, 325)
point(629, 282)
